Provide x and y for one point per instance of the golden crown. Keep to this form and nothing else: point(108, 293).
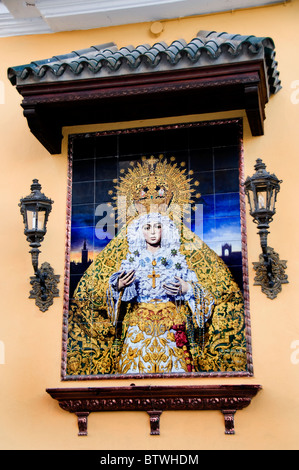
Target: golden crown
point(153, 185)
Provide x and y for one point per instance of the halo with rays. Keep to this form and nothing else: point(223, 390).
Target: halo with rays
point(154, 185)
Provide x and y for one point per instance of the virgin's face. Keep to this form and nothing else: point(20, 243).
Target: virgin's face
point(152, 233)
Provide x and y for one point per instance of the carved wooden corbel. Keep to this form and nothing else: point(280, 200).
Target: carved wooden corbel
point(154, 400)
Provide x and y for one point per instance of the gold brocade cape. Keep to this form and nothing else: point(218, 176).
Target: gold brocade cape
point(94, 344)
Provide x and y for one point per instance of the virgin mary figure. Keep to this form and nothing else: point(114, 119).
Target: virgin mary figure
point(164, 299)
point(156, 299)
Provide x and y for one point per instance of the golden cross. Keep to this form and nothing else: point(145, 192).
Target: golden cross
point(151, 161)
point(153, 276)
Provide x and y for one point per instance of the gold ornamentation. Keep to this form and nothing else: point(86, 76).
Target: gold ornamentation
point(153, 185)
point(95, 346)
point(153, 276)
point(152, 339)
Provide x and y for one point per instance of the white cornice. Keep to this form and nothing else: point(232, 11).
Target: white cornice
point(77, 7)
point(48, 16)
point(10, 26)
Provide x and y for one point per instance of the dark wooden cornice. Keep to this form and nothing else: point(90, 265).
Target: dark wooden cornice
point(154, 400)
point(50, 106)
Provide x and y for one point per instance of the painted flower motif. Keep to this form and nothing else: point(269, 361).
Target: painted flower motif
point(131, 259)
point(178, 266)
point(136, 253)
point(174, 252)
point(164, 261)
point(132, 353)
point(180, 335)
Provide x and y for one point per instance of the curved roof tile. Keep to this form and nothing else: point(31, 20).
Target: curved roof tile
point(96, 58)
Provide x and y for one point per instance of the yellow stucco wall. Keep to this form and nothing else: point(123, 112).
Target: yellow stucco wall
point(31, 340)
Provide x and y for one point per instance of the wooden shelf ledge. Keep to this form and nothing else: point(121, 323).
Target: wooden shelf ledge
point(154, 400)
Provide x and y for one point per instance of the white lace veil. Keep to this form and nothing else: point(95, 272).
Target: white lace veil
point(170, 235)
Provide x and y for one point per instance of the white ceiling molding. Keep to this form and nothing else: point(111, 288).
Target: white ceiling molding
point(9, 26)
point(22, 9)
point(19, 17)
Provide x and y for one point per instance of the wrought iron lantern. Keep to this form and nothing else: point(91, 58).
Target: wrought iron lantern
point(35, 210)
point(262, 189)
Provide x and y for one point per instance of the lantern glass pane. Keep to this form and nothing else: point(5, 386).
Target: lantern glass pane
point(261, 199)
point(35, 219)
point(31, 219)
point(251, 200)
point(272, 200)
point(41, 220)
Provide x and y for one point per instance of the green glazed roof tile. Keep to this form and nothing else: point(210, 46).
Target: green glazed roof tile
point(207, 45)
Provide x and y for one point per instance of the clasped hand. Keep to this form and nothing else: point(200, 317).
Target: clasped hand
point(172, 288)
point(176, 288)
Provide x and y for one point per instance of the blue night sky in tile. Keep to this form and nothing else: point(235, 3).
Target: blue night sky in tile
point(83, 215)
point(220, 221)
point(227, 205)
point(217, 223)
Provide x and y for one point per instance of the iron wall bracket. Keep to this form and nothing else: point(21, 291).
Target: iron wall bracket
point(44, 286)
point(279, 277)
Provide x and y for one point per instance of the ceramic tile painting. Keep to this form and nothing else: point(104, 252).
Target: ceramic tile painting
point(157, 254)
